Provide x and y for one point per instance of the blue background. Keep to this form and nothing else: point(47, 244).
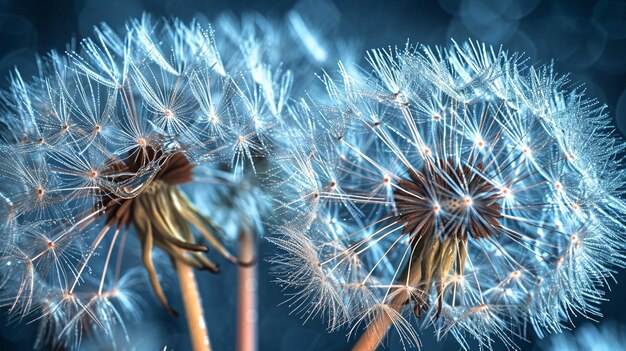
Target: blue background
point(585, 38)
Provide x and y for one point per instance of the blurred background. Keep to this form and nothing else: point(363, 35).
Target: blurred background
point(584, 38)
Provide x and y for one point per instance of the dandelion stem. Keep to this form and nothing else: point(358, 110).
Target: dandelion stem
point(247, 287)
point(193, 307)
point(378, 327)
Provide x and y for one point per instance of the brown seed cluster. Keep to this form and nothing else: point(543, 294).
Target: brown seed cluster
point(161, 214)
point(175, 169)
point(428, 202)
point(439, 221)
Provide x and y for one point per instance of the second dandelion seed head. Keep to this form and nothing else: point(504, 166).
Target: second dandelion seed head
point(455, 197)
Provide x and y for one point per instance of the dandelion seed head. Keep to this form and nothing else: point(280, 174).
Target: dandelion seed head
point(483, 223)
point(134, 147)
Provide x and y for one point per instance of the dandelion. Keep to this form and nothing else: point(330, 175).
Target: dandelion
point(452, 189)
point(156, 134)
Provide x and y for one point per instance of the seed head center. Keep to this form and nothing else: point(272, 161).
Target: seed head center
point(429, 203)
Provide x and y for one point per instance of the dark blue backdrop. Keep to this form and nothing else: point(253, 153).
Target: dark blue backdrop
point(587, 39)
